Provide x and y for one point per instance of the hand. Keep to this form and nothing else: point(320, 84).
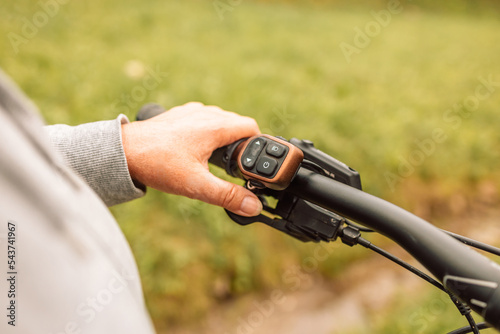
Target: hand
point(170, 153)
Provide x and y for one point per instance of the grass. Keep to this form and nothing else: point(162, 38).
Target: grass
point(281, 64)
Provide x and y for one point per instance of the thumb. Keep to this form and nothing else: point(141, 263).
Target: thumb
point(230, 196)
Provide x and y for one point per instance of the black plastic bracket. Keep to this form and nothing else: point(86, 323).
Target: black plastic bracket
point(330, 166)
point(298, 218)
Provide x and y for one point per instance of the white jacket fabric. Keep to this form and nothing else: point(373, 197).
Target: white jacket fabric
point(66, 266)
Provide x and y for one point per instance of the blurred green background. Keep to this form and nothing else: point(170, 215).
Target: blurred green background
point(397, 90)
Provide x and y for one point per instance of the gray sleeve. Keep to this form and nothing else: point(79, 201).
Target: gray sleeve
point(95, 152)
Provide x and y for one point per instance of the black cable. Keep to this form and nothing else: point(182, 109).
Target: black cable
point(467, 329)
point(473, 243)
point(464, 309)
point(472, 323)
point(365, 243)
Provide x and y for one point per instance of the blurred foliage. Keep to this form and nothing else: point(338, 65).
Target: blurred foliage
point(281, 63)
point(459, 6)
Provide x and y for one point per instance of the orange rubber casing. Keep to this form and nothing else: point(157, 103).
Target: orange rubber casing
point(287, 169)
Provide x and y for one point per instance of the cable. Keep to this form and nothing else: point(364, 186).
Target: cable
point(465, 310)
point(365, 243)
point(474, 243)
point(351, 236)
point(467, 329)
point(472, 323)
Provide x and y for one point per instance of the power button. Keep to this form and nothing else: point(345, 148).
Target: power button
point(266, 165)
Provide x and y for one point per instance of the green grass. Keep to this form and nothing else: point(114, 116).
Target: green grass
point(281, 64)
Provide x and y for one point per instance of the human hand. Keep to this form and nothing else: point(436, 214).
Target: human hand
point(170, 153)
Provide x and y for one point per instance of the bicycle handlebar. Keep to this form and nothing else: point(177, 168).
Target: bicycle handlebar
point(468, 275)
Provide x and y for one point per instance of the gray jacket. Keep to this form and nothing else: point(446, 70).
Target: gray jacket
point(67, 265)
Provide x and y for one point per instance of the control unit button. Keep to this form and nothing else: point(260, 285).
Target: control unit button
point(248, 162)
point(266, 165)
point(275, 149)
point(252, 152)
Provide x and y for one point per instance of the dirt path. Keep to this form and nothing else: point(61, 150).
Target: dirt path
point(331, 307)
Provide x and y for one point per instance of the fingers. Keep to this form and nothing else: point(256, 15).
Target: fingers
point(247, 127)
point(230, 196)
point(170, 153)
point(225, 126)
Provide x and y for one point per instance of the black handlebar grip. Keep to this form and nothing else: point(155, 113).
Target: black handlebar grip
point(149, 110)
point(219, 158)
point(224, 157)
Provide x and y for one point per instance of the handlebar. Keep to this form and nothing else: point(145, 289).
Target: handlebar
point(468, 275)
point(324, 190)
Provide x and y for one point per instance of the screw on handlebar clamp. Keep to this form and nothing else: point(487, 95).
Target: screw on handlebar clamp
point(296, 217)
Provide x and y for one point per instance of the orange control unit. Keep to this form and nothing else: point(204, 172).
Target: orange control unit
point(269, 161)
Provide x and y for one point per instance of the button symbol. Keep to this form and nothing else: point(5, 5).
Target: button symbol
point(266, 166)
point(276, 150)
point(251, 153)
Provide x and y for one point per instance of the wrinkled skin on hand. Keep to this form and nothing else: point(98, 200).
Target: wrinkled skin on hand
point(170, 153)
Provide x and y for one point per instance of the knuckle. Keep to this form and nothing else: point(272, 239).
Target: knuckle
point(194, 104)
point(215, 109)
point(254, 124)
point(229, 196)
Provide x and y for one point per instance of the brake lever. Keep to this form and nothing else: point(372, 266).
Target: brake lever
point(305, 221)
